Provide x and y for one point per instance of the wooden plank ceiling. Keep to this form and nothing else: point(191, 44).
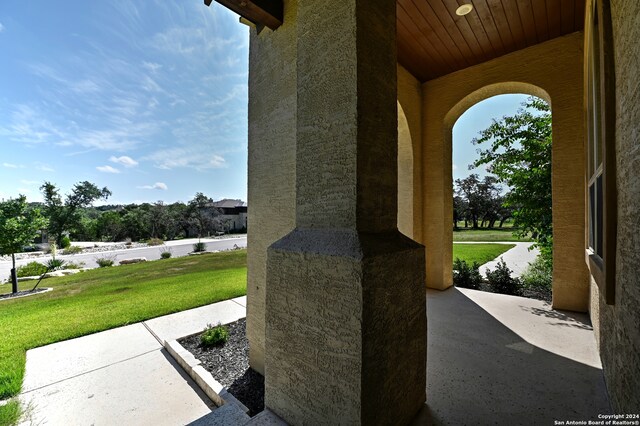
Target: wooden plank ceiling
point(433, 41)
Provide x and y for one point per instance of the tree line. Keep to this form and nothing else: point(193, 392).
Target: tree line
point(479, 203)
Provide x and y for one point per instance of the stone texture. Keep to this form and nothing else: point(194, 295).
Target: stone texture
point(618, 325)
point(272, 150)
point(553, 71)
point(345, 317)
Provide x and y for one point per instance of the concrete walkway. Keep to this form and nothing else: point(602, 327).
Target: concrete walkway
point(121, 376)
point(517, 258)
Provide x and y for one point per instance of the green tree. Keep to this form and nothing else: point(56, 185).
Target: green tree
point(19, 225)
point(65, 216)
point(519, 154)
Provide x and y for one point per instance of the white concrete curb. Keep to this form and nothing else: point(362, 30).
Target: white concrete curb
point(210, 386)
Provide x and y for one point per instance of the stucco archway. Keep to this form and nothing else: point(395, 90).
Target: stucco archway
point(526, 71)
point(405, 175)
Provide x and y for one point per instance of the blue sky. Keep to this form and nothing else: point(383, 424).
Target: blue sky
point(146, 97)
point(468, 126)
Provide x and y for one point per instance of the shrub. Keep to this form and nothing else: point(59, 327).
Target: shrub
point(165, 253)
point(217, 335)
point(538, 274)
point(105, 261)
point(73, 250)
point(155, 242)
point(31, 269)
point(71, 265)
point(466, 276)
point(199, 247)
point(501, 280)
point(65, 242)
point(55, 264)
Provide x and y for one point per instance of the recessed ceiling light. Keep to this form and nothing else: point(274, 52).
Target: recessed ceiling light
point(464, 9)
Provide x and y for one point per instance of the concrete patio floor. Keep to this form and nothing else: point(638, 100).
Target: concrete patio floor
point(492, 359)
point(507, 360)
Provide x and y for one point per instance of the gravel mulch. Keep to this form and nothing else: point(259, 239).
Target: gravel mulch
point(540, 294)
point(229, 365)
point(23, 293)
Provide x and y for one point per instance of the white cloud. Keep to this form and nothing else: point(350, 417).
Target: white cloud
point(185, 41)
point(124, 161)
point(151, 66)
point(188, 157)
point(158, 185)
point(30, 182)
point(239, 91)
point(44, 167)
point(12, 166)
point(107, 169)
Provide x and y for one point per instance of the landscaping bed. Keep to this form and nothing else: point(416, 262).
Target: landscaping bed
point(229, 365)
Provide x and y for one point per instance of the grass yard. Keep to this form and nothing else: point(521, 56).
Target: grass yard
point(101, 299)
point(481, 253)
point(487, 235)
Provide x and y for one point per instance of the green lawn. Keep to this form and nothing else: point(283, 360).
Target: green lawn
point(481, 253)
point(487, 235)
point(100, 299)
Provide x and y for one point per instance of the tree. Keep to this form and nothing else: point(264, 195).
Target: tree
point(202, 214)
point(475, 200)
point(19, 225)
point(520, 156)
point(64, 217)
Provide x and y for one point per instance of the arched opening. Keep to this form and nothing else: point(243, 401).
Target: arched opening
point(405, 175)
point(502, 206)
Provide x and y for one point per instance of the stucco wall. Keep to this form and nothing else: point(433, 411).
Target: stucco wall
point(618, 326)
point(552, 70)
point(272, 143)
point(409, 152)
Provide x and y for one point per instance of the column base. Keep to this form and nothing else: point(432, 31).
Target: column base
point(346, 328)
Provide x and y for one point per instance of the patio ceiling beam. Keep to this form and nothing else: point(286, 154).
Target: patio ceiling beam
point(263, 13)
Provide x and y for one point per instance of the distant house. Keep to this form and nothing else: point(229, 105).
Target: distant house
point(233, 217)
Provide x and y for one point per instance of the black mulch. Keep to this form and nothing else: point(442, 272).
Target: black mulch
point(21, 293)
point(531, 293)
point(229, 365)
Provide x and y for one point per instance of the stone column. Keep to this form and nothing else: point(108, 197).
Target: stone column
point(345, 302)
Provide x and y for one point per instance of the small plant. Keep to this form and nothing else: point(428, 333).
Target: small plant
point(466, 276)
point(73, 250)
point(31, 269)
point(155, 242)
point(165, 252)
point(105, 261)
point(538, 274)
point(55, 264)
point(65, 242)
point(217, 335)
point(199, 247)
point(501, 281)
point(72, 265)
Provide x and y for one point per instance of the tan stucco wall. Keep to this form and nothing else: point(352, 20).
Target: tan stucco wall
point(272, 150)
point(345, 302)
point(409, 151)
point(553, 71)
point(618, 326)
